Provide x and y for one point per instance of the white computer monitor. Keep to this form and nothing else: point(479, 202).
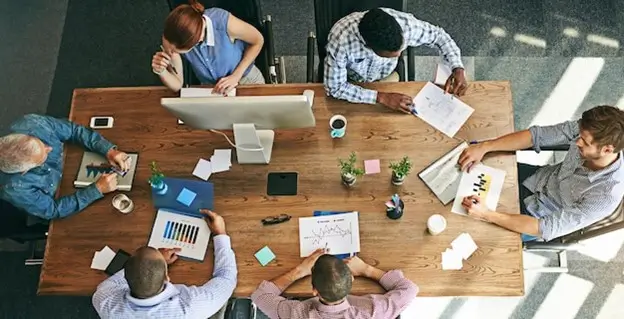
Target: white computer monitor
point(252, 118)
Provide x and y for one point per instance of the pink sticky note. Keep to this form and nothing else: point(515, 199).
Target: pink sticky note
point(372, 166)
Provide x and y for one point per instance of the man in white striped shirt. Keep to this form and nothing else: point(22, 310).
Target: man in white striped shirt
point(560, 199)
point(143, 290)
point(366, 46)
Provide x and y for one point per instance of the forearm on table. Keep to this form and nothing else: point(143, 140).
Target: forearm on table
point(172, 81)
point(519, 223)
point(284, 281)
point(511, 142)
point(374, 273)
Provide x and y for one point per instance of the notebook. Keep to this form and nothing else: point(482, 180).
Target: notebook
point(93, 165)
point(442, 177)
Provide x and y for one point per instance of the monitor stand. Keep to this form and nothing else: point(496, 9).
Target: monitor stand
point(253, 146)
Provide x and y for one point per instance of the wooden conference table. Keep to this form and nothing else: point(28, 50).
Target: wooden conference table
point(374, 132)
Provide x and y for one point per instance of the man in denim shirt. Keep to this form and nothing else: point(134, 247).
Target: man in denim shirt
point(31, 166)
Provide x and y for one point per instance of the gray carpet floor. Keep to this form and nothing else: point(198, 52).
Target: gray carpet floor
point(561, 56)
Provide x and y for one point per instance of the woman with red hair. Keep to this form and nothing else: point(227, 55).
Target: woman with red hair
point(220, 48)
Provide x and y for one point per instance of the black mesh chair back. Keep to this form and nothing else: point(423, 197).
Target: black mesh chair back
point(328, 12)
point(246, 10)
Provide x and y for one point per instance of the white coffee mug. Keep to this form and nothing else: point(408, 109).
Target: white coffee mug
point(436, 224)
point(338, 132)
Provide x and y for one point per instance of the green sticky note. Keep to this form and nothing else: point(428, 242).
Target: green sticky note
point(265, 256)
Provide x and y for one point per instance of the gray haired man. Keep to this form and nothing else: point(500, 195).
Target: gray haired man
point(31, 166)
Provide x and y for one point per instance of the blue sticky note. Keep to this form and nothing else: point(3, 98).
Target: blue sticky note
point(186, 197)
point(265, 255)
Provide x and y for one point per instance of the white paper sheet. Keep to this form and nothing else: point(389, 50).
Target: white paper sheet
point(202, 92)
point(191, 234)
point(451, 260)
point(464, 245)
point(102, 258)
point(340, 233)
point(203, 169)
point(221, 160)
point(442, 74)
point(444, 112)
point(483, 181)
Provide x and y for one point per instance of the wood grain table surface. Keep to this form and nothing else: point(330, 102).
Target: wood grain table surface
point(373, 132)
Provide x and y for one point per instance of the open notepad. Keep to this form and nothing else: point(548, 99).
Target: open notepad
point(442, 177)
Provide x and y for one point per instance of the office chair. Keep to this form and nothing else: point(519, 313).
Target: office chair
point(272, 68)
point(572, 241)
point(15, 225)
point(328, 12)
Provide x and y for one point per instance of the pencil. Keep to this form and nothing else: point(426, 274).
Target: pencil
point(171, 62)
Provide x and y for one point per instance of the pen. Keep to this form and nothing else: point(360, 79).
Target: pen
point(170, 62)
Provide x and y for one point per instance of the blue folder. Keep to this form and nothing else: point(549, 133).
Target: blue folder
point(203, 199)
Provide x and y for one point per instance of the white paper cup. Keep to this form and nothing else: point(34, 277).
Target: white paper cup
point(436, 224)
point(123, 203)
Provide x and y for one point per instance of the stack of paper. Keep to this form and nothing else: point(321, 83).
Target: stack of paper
point(102, 258)
point(462, 248)
point(451, 260)
point(219, 162)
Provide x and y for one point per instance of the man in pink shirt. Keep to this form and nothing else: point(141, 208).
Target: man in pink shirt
point(331, 284)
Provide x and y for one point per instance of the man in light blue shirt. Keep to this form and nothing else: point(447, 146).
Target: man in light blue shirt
point(560, 199)
point(31, 166)
point(142, 289)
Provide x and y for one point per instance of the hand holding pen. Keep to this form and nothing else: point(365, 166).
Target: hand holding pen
point(162, 61)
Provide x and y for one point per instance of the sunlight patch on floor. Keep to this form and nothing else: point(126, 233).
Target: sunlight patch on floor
point(604, 247)
point(565, 298)
point(427, 307)
point(613, 308)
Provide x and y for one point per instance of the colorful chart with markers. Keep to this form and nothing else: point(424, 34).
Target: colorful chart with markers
point(180, 234)
point(189, 233)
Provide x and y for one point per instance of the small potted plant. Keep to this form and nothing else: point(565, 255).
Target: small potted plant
point(156, 180)
point(348, 171)
point(400, 170)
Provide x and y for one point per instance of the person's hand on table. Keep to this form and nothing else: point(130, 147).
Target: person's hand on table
point(227, 83)
point(456, 83)
point(215, 222)
point(170, 254)
point(474, 206)
point(305, 268)
point(357, 266)
point(395, 101)
point(107, 183)
point(472, 156)
point(118, 159)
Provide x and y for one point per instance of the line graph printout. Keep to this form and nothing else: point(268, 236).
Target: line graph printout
point(444, 112)
point(339, 233)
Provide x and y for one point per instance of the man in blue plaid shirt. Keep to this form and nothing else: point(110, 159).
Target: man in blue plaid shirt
point(365, 47)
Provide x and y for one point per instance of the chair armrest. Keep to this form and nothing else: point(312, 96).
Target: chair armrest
point(310, 58)
point(564, 147)
point(541, 245)
point(411, 68)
